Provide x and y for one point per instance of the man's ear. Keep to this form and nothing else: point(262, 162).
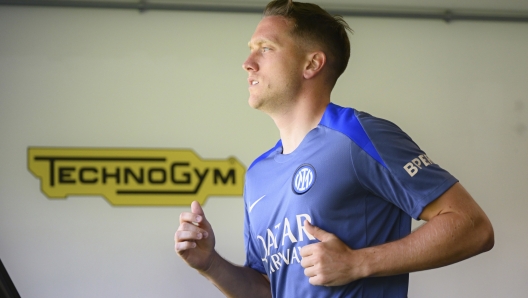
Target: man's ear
point(316, 61)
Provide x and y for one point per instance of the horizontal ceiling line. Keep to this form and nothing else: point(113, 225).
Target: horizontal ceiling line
point(143, 6)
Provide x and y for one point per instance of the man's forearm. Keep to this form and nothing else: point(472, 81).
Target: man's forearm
point(445, 239)
point(237, 281)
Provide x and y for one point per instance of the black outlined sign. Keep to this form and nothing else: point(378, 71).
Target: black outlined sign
point(149, 177)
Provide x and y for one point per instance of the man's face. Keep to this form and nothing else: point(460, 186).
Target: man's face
point(275, 65)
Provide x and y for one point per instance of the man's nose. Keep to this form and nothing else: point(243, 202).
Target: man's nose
point(249, 64)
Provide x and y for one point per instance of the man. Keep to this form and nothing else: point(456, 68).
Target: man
point(328, 209)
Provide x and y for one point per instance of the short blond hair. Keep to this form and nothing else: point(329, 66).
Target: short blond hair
point(315, 25)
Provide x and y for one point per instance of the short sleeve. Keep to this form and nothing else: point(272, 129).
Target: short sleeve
point(405, 175)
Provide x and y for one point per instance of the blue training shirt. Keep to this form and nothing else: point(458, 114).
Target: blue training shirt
point(354, 175)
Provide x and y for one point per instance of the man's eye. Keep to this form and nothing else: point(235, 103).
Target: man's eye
point(265, 49)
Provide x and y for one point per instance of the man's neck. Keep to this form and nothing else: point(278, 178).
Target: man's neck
point(297, 122)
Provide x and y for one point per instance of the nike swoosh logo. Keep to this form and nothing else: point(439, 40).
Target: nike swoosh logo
point(255, 203)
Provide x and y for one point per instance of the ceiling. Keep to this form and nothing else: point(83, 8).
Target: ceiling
point(495, 5)
point(448, 10)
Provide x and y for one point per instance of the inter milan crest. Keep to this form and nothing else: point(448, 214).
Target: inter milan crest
point(303, 179)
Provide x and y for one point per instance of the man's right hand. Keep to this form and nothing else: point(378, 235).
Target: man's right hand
point(194, 239)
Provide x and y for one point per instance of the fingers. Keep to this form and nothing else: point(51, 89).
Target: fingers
point(329, 262)
point(317, 232)
point(306, 261)
point(193, 227)
point(313, 230)
point(187, 231)
point(183, 246)
point(196, 208)
point(316, 272)
point(187, 235)
point(314, 277)
point(195, 216)
point(317, 281)
point(191, 218)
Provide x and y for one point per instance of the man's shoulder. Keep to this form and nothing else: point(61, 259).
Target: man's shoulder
point(345, 119)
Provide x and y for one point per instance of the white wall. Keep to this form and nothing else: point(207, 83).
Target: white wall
point(114, 78)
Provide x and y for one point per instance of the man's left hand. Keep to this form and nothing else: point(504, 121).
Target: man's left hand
point(329, 262)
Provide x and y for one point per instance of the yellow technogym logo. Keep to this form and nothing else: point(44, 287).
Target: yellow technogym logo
point(147, 177)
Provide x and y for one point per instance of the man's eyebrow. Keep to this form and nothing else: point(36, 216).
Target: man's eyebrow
point(259, 42)
point(255, 43)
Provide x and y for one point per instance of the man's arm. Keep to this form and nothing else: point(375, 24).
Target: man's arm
point(456, 229)
point(195, 241)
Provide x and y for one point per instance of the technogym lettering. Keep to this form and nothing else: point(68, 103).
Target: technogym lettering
point(135, 177)
point(177, 173)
